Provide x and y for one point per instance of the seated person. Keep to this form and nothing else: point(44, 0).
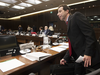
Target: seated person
point(28, 28)
point(41, 30)
point(46, 30)
point(32, 30)
point(20, 28)
point(51, 30)
point(10, 30)
point(5, 30)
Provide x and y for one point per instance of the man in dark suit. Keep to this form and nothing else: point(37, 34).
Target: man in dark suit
point(81, 38)
point(46, 31)
point(20, 28)
point(34, 28)
point(41, 30)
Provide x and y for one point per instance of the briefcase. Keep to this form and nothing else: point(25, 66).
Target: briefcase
point(67, 69)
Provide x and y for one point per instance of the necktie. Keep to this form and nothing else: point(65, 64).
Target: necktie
point(67, 23)
point(70, 49)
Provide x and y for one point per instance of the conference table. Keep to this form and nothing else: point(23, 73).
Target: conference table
point(37, 40)
point(39, 67)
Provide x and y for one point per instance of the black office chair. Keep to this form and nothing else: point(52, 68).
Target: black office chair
point(95, 72)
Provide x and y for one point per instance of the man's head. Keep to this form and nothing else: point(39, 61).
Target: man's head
point(46, 27)
point(63, 12)
point(41, 28)
point(19, 25)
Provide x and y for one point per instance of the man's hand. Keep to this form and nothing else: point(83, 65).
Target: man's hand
point(87, 61)
point(62, 62)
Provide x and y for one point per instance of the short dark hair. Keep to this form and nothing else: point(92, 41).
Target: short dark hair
point(41, 28)
point(65, 7)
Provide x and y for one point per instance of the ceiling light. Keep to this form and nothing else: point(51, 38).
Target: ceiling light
point(80, 2)
point(18, 7)
point(9, 1)
point(25, 5)
point(45, 0)
point(34, 1)
point(4, 4)
point(91, 0)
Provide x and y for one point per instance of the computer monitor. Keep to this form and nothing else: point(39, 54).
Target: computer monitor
point(7, 44)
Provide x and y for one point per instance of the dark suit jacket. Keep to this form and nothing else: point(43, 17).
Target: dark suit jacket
point(82, 37)
point(47, 32)
point(41, 32)
point(20, 29)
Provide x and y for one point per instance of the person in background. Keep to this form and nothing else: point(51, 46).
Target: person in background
point(31, 29)
point(28, 28)
point(46, 30)
point(41, 30)
point(51, 30)
point(82, 40)
point(34, 28)
point(1, 28)
point(20, 28)
point(9, 30)
point(5, 30)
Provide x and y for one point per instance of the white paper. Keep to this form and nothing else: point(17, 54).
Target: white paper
point(36, 55)
point(45, 46)
point(80, 59)
point(10, 64)
point(31, 59)
point(45, 40)
point(64, 44)
point(58, 49)
point(65, 47)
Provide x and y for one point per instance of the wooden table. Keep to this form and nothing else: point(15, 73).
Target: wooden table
point(40, 67)
point(35, 39)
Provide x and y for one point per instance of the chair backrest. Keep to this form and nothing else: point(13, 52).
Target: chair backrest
point(96, 72)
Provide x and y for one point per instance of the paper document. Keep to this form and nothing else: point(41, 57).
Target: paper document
point(64, 44)
point(65, 47)
point(10, 64)
point(31, 59)
point(36, 56)
point(80, 59)
point(59, 48)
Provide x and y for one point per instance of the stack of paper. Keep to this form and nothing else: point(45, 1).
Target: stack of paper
point(10, 64)
point(59, 48)
point(64, 44)
point(36, 56)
